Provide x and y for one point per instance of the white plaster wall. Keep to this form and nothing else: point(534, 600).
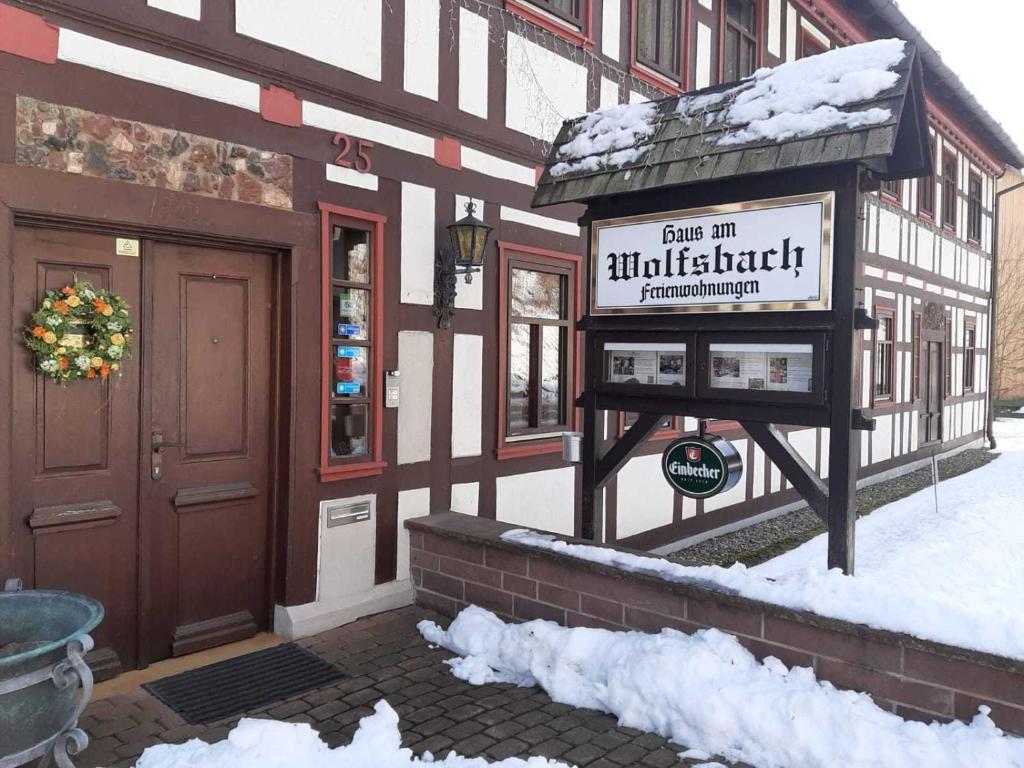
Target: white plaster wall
point(331, 119)
point(805, 442)
point(757, 469)
point(791, 22)
point(345, 35)
point(416, 363)
point(466, 498)
point(352, 178)
point(703, 73)
point(539, 221)
point(643, 499)
point(881, 439)
point(191, 9)
point(542, 500)
point(611, 36)
point(888, 234)
point(422, 35)
point(411, 503)
point(542, 90)
point(775, 27)
point(473, 63)
point(418, 229)
point(467, 394)
point(145, 67)
point(609, 93)
point(499, 168)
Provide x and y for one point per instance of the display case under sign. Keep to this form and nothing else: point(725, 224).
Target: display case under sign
point(771, 367)
point(662, 364)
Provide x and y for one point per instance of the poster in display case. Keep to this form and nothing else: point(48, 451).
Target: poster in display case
point(639, 363)
point(761, 367)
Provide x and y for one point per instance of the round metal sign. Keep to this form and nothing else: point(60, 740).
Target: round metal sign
point(700, 468)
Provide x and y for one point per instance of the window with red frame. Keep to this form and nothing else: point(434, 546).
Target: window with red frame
point(667, 428)
point(950, 194)
point(540, 347)
point(659, 36)
point(970, 354)
point(974, 208)
point(352, 273)
point(570, 11)
point(810, 45)
point(885, 358)
point(893, 189)
point(740, 39)
point(926, 189)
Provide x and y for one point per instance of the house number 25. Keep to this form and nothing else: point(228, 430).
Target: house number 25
point(362, 162)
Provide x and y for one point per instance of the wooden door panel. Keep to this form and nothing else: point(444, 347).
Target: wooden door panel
point(209, 358)
point(216, 367)
point(75, 459)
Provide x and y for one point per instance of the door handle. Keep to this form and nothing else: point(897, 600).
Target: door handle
point(157, 445)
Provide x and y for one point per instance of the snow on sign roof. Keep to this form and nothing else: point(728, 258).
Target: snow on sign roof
point(844, 105)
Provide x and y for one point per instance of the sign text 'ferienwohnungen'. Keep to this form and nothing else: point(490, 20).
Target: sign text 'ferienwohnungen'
point(765, 255)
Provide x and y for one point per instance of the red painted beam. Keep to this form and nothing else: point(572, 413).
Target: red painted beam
point(27, 35)
point(448, 152)
point(279, 105)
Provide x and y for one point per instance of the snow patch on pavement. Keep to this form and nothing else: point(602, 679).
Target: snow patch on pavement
point(273, 744)
point(953, 577)
point(706, 691)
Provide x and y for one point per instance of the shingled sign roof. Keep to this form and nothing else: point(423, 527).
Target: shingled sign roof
point(862, 103)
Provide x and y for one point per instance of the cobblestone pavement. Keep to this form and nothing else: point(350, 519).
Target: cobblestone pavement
point(385, 657)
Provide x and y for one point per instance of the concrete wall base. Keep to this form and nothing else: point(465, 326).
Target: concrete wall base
point(295, 621)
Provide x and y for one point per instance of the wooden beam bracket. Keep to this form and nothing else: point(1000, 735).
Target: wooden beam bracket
point(623, 449)
point(862, 321)
point(861, 422)
point(792, 465)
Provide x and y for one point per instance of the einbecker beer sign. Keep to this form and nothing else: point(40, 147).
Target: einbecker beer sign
point(701, 467)
point(760, 255)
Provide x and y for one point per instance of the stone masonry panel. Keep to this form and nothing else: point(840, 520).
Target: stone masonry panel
point(72, 140)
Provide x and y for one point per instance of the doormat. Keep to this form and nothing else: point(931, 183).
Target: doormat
point(244, 683)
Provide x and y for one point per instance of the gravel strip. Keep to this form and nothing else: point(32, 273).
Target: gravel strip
point(763, 541)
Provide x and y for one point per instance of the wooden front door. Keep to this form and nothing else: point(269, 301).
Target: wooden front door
point(206, 438)
point(150, 490)
point(75, 457)
point(931, 414)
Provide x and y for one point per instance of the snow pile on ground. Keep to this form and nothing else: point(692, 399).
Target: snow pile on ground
point(706, 691)
point(803, 97)
point(608, 137)
point(954, 576)
point(273, 744)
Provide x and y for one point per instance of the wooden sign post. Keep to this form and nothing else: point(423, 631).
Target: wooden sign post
point(722, 283)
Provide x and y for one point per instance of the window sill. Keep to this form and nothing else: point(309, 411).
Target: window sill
point(563, 29)
point(882, 405)
point(926, 217)
point(519, 450)
point(655, 79)
point(889, 198)
point(332, 474)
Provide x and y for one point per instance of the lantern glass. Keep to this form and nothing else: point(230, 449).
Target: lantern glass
point(469, 239)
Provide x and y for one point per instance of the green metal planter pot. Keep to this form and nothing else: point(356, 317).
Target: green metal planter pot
point(43, 639)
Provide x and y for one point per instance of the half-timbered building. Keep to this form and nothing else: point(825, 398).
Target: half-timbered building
point(267, 184)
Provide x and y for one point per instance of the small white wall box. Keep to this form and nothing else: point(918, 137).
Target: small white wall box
point(342, 513)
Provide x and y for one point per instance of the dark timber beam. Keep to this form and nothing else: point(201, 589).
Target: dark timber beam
point(797, 471)
point(625, 446)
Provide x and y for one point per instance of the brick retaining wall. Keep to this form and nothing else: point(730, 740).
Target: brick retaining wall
point(457, 559)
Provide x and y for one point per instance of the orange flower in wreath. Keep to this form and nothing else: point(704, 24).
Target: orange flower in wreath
point(99, 305)
point(62, 307)
point(90, 374)
point(104, 370)
point(39, 331)
point(64, 363)
point(67, 290)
